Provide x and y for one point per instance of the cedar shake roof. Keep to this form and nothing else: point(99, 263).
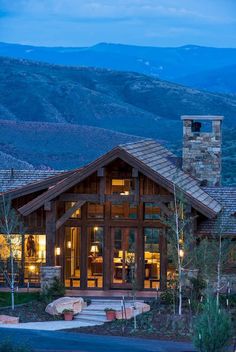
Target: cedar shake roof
point(150, 158)
point(226, 196)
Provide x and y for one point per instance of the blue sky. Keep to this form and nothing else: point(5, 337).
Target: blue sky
point(140, 22)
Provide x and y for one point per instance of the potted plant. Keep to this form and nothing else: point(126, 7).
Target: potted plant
point(110, 313)
point(68, 314)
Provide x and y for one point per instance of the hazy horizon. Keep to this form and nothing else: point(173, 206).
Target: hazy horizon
point(155, 23)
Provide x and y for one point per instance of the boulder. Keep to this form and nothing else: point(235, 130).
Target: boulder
point(73, 303)
point(7, 319)
point(130, 311)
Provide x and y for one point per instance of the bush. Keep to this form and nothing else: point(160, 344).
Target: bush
point(8, 346)
point(168, 296)
point(56, 290)
point(212, 328)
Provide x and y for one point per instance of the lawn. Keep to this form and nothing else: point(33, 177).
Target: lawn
point(20, 298)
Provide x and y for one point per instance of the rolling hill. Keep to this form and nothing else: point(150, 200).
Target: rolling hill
point(165, 63)
point(62, 117)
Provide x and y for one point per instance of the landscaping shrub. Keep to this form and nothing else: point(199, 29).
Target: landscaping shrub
point(212, 328)
point(56, 290)
point(8, 346)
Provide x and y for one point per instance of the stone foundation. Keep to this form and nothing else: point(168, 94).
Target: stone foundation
point(48, 273)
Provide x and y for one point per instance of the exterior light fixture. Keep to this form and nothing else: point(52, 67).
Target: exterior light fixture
point(58, 250)
point(181, 253)
point(69, 244)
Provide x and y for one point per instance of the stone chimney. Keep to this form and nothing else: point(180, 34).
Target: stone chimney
point(202, 139)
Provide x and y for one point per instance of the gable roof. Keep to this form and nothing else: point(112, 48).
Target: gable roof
point(17, 183)
point(150, 158)
point(227, 219)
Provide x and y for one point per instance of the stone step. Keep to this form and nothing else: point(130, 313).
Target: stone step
point(91, 318)
point(93, 312)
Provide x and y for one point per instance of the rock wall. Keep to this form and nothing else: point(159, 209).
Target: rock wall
point(48, 273)
point(202, 152)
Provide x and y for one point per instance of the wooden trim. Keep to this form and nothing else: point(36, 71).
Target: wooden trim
point(156, 198)
point(75, 197)
point(101, 162)
point(117, 198)
point(51, 235)
point(68, 213)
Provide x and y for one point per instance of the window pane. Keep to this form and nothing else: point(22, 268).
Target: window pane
point(35, 256)
point(95, 257)
point(152, 258)
point(122, 186)
point(76, 214)
point(151, 211)
point(95, 211)
point(124, 211)
point(72, 256)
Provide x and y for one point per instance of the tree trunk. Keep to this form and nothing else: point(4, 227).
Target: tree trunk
point(12, 282)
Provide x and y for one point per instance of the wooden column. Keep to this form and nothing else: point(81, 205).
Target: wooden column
point(164, 260)
point(83, 249)
point(50, 209)
point(107, 249)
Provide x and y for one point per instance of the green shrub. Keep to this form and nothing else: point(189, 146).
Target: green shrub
point(212, 328)
point(8, 346)
point(56, 290)
point(168, 296)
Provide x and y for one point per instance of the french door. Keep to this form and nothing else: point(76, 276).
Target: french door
point(123, 257)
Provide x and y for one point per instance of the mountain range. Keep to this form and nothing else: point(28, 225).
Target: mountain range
point(176, 64)
point(63, 116)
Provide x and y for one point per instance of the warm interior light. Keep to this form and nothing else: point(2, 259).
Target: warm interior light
point(58, 250)
point(94, 249)
point(69, 244)
point(181, 253)
point(95, 228)
point(32, 268)
point(116, 182)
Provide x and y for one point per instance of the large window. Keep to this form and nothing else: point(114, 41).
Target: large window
point(124, 211)
point(122, 186)
point(34, 248)
point(72, 256)
point(95, 257)
point(151, 211)
point(152, 258)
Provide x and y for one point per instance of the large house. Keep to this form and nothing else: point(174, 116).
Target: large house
point(97, 222)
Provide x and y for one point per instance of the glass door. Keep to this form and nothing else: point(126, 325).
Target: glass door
point(123, 268)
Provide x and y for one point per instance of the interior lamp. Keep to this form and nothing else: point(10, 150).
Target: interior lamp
point(58, 251)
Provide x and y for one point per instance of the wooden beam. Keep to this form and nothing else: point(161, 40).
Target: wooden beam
point(134, 172)
point(48, 206)
point(75, 197)
point(156, 198)
point(117, 198)
point(101, 172)
point(51, 235)
point(68, 213)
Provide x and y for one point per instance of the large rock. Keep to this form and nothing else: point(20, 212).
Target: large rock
point(74, 303)
point(130, 312)
point(7, 319)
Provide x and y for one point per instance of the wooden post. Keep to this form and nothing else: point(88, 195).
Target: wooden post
point(164, 260)
point(50, 234)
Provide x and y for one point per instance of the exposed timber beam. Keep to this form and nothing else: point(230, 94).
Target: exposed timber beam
point(75, 197)
point(68, 213)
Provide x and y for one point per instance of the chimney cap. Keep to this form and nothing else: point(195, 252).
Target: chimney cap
point(202, 117)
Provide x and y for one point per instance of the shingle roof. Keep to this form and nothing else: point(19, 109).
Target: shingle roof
point(152, 159)
point(160, 160)
point(14, 179)
point(226, 220)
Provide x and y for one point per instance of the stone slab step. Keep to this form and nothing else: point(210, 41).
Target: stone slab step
point(91, 319)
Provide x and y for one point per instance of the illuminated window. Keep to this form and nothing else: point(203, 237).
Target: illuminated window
point(151, 211)
point(76, 214)
point(122, 186)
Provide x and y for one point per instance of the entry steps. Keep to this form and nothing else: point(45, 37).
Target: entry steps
point(95, 312)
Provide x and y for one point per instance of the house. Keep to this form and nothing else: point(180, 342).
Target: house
point(98, 225)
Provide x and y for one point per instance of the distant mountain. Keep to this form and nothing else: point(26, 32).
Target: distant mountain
point(219, 80)
point(164, 63)
point(122, 101)
point(63, 117)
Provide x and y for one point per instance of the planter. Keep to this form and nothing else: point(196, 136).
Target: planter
point(111, 315)
point(68, 316)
